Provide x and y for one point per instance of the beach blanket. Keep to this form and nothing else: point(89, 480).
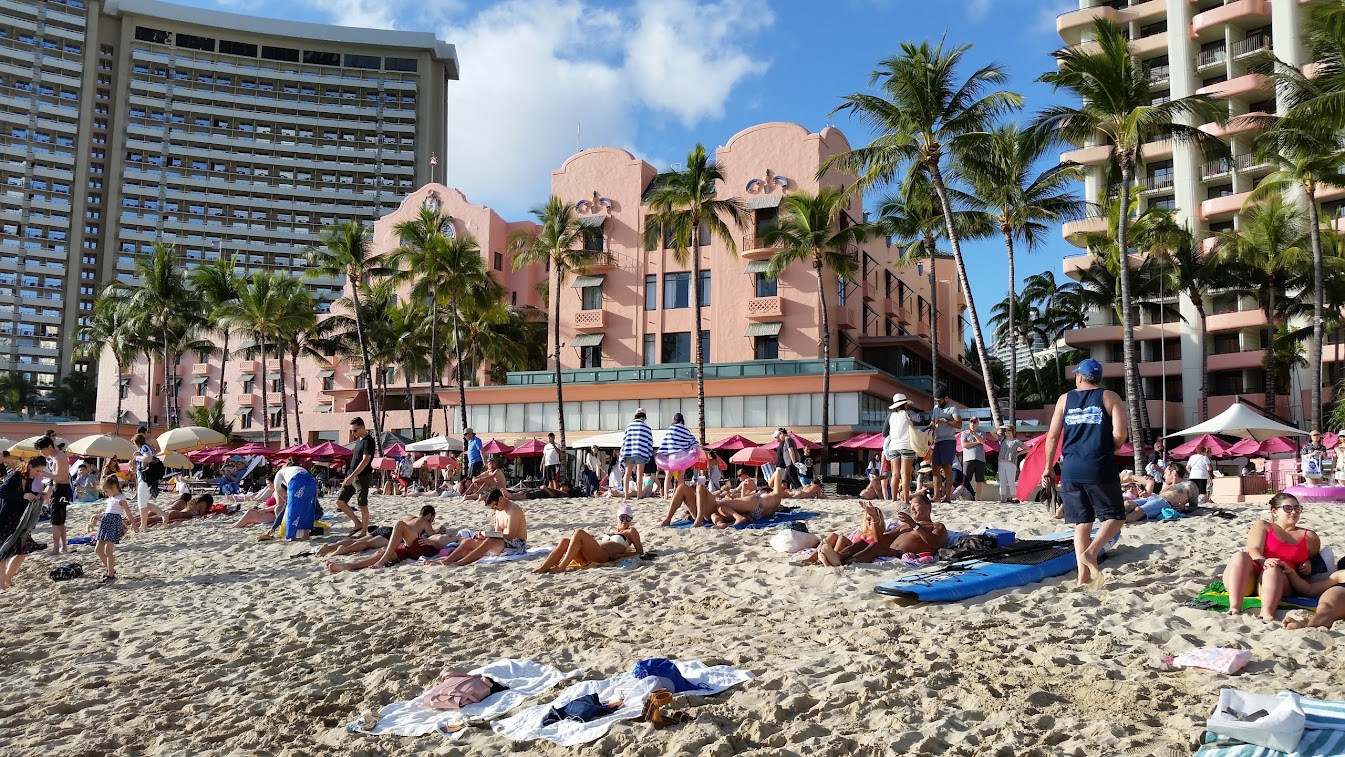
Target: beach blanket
point(493, 559)
point(771, 522)
point(1215, 597)
point(1323, 736)
point(525, 679)
point(626, 688)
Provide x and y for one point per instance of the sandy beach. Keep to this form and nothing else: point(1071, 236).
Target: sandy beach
point(212, 643)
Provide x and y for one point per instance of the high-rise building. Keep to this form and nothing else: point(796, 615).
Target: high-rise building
point(131, 122)
point(1195, 47)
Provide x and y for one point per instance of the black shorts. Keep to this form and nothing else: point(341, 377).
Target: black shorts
point(475, 469)
point(361, 488)
point(551, 472)
point(1085, 503)
point(1202, 485)
point(974, 470)
point(61, 495)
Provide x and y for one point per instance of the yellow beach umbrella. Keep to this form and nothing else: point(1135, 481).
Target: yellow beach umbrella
point(177, 461)
point(102, 445)
point(189, 438)
point(28, 447)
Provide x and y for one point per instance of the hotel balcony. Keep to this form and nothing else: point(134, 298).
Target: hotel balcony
point(896, 311)
point(200, 401)
point(1231, 361)
point(200, 369)
point(247, 400)
point(1220, 206)
point(1158, 149)
point(1239, 13)
point(1247, 84)
point(1075, 265)
point(1073, 230)
point(1160, 368)
point(1236, 321)
point(1233, 126)
point(247, 366)
point(763, 308)
point(922, 329)
point(1090, 335)
point(755, 249)
point(1071, 25)
point(1146, 46)
point(590, 320)
point(1087, 156)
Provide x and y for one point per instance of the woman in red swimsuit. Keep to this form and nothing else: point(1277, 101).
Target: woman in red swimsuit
point(1275, 548)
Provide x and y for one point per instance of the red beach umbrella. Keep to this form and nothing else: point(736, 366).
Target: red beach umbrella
point(495, 447)
point(732, 444)
point(252, 450)
point(384, 463)
point(799, 442)
point(1279, 445)
point(1183, 451)
point(435, 462)
point(329, 450)
point(1244, 448)
point(753, 456)
point(530, 448)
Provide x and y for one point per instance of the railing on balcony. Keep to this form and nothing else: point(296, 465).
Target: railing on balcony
point(1211, 57)
point(1251, 161)
point(199, 401)
point(1160, 74)
point(764, 307)
point(1251, 45)
point(1156, 183)
point(200, 369)
point(753, 242)
point(589, 319)
point(1216, 167)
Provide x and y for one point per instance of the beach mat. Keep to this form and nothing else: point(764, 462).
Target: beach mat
point(1215, 597)
point(775, 520)
point(1323, 735)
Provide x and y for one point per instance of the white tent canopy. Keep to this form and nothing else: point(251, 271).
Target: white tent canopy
point(436, 444)
point(1241, 420)
point(612, 439)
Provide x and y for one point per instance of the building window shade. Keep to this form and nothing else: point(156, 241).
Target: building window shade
point(763, 329)
point(586, 340)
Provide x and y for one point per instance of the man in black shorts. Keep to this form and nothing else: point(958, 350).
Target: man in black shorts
point(357, 481)
point(61, 493)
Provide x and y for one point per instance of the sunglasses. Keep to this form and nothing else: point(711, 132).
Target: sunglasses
point(1289, 508)
point(625, 518)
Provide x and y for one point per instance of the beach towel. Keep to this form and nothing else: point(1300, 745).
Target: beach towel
point(1215, 597)
point(1323, 735)
point(625, 688)
point(524, 678)
point(493, 559)
point(770, 522)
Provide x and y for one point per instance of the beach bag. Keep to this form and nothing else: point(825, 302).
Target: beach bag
point(790, 541)
point(1274, 722)
point(67, 572)
point(919, 442)
point(457, 690)
point(968, 545)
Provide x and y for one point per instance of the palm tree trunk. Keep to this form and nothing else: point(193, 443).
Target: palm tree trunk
point(556, 328)
point(223, 361)
point(116, 423)
point(434, 364)
point(411, 402)
point(1132, 379)
point(294, 377)
point(699, 330)
point(1204, 359)
point(826, 369)
point(266, 416)
point(1269, 362)
point(462, 380)
point(1318, 305)
point(149, 386)
point(937, 176)
point(364, 355)
point(930, 250)
point(1013, 326)
point(284, 410)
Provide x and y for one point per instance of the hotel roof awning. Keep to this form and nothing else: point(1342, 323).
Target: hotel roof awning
point(125, 382)
point(273, 376)
point(324, 408)
point(763, 201)
point(200, 379)
point(763, 329)
point(581, 282)
point(591, 222)
point(243, 411)
point(586, 340)
point(246, 376)
point(757, 266)
point(326, 374)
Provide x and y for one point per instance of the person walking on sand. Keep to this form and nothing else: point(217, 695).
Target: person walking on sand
point(1091, 422)
point(551, 461)
point(58, 467)
point(146, 487)
point(675, 440)
point(112, 527)
point(1010, 449)
point(637, 447)
point(973, 456)
point(356, 483)
point(20, 509)
point(898, 449)
point(472, 446)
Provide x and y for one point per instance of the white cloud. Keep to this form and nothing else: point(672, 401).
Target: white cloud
point(978, 9)
point(363, 14)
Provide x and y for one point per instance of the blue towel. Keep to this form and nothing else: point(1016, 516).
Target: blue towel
point(1323, 736)
point(664, 668)
point(771, 522)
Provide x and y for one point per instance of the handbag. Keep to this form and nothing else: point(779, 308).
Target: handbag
point(456, 690)
point(1274, 722)
point(919, 441)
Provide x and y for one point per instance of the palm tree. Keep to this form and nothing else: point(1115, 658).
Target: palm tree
point(681, 205)
point(814, 229)
point(496, 334)
point(213, 417)
point(411, 330)
point(268, 308)
point(559, 242)
point(217, 284)
point(1060, 308)
point(163, 300)
point(108, 328)
point(347, 252)
point(1024, 205)
point(1268, 256)
point(1117, 108)
point(924, 115)
point(1014, 321)
point(16, 393)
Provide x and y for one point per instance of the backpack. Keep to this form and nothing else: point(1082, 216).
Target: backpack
point(67, 572)
point(456, 690)
point(968, 545)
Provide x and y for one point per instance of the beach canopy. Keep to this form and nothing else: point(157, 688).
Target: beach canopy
point(530, 448)
point(189, 438)
point(799, 442)
point(1183, 451)
point(176, 461)
point(1241, 420)
point(612, 439)
point(434, 462)
point(753, 456)
point(1244, 448)
point(102, 445)
point(1330, 439)
point(703, 461)
point(252, 450)
point(329, 450)
point(435, 444)
point(732, 444)
point(872, 441)
point(495, 447)
point(297, 450)
point(384, 463)
point(1280, 445)
point(396, 450)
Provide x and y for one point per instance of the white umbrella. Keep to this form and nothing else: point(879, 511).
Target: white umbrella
point(102, 445)
point(1241, 420)
point(177, 461)
point(189, 438)
point(28, 447)
point(436, 444)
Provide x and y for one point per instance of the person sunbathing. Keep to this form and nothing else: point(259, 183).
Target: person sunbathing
point(917, 534)
point(1177, 493)
point(1330, 592)
point(1276, 548)
point(810, 490)
point(187, 507)
point(747, 483)
point(751, 508)
point(510, 536)
point(583, 549)
point(698, 500)
point(411, 538)
point(492, 478)
point(542, 492)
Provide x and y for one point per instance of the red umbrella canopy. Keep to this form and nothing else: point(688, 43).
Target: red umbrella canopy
point(1183, 451)
point(1244, 448)
point(873, 441)
point(384, 463)
point(991, 444)
point(327, 449)
point(298, 449)
point(732, 443)
point(799, 442)
point(1128, 450)
point(495, 447)
point(530, 448)
point(434, 462)
point(703, 462)
point(753, 456)
point(200, 455)
point(1330, 439)
point(250, 450)
point(395, 450)
point(1279, 445)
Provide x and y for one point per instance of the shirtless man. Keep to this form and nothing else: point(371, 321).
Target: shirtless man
point(510, 536)
point(918, 533)
point(493, 478)
point(1177, 493)
point(408, 541)
point(747, 483)
point(1331, 598)
point(58, 467)
point(750, 508)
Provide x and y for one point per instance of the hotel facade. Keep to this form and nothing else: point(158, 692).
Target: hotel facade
point(626, 328)
point(1198, 47)
point(131, 122)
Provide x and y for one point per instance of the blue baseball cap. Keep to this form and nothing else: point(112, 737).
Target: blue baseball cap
point(1089, 369)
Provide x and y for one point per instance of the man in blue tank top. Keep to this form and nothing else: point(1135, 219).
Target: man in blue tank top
point(1092, 421)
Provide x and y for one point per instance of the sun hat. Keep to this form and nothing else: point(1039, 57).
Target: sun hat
point(625, 510)
point(1089, 369)
point(925, 467)
point(898, 401)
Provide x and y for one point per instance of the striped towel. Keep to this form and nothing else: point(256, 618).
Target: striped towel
point(1323, 736)
point(638, 441)
point(676, 439)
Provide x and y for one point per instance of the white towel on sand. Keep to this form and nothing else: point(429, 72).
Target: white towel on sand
point(629, 690)
point(493, 559)
point(525, 679)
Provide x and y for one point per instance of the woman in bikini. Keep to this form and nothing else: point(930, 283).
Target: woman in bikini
point(583, 549)
point(1275, 549)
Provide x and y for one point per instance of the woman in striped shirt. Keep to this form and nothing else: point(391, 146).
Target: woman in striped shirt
point(676, 439)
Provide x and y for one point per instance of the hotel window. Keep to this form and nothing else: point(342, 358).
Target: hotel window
point(592, 298)
point(200, 389)
point(651, 292)
point(248, 386)
point(705, 346)
point(677, 347)
point(648, 349)
point(840, 292)
point(767, 348)
point(499, 262)
point(328, 383)
point(593, 240)
point(703, 291)
point(765, 219)
point(277, 386)
point(765, 286)
point(676, 291)
point(247, 420)
point(590, 357)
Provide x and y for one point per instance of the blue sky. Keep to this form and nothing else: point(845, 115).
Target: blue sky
point(658, 76)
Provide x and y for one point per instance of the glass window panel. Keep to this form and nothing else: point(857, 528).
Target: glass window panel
point(535, 416)
point(498, 416)
point(714, 416)
point(627, 411)
point(590, 418)
point(754, 412)
point(513, 418)
point(845, 409)
point(732, 413)
point(777, 411)
point(610, 410)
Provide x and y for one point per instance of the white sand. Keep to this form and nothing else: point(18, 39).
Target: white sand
point(211, 643)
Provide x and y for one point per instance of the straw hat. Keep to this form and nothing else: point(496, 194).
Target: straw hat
point(898, 401)
point(925, 467)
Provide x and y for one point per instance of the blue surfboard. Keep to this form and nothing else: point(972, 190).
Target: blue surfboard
point(1024, 562)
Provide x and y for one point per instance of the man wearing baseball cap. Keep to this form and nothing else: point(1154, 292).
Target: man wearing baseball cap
point(1092, 421)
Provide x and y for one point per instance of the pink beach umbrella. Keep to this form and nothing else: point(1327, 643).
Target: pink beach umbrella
point(1183, 451)
point(327, 450)
point(799, 442)
point(530, 448)
point(395, 450)
point(1244, 448)
point(991, 444)
point(1279, 445)
point(252, 450)
point(496, 447)
point(753, 456)
point(435, 462)
point(384, 463)
point(872, 441)
point(296, 450)
point(732, 444)
point(1330, 439)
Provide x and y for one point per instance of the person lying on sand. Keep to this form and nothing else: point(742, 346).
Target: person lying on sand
point(409, 540)
point(583, 549)
point(751, 508)
point(918, 534)
point(747, 483)
point(492, 478)
point(543, 492)
point(1331, 598)
point(810, 490)
point(377, 539)
point(698, 501)
point(1177, 493)
point(187, 507)
point(1276, 548)
point(510, 536)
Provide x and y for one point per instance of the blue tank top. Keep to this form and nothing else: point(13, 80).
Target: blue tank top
point(1088, 452)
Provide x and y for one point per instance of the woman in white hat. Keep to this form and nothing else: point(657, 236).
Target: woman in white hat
point(584, 549)
point(897, 446)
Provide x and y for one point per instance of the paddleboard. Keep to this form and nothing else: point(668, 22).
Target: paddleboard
point(1025, 562)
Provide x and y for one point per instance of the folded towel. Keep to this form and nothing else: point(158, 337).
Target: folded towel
point(525, 679)
point(1215, 597)
point(625, 688)
point(1323, 736)
point(770, 522)
point(493, 559)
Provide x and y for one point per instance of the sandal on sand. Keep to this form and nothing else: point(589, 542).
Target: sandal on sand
point(107, 578)
point(653, 708)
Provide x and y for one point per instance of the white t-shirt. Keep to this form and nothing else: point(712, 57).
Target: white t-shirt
point(1198, 466)
point(115, 505)
point(550, 454)
point(284, 475)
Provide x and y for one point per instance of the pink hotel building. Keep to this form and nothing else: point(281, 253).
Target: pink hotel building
point(626, 329)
